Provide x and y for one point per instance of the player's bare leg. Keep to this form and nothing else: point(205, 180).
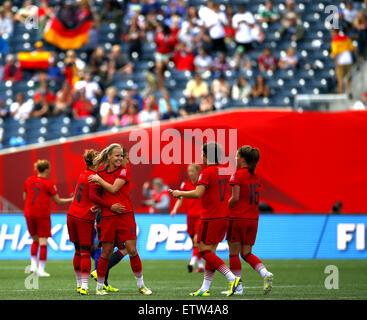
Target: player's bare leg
point(42, 258)
point(136, 266)
point(257, 265)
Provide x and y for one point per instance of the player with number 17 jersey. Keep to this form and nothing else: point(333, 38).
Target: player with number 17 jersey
point(214, 213)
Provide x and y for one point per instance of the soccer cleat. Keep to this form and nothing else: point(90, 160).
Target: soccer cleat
point(93, 275)
point(233, 286)
point(43, 274)
point(237, 292)
point(200, 293)
point(33, 268)
point(198, 270)
point(109, 288)
point(190, 267)
point(83, 292)
point(78, 289)
point(101, 292)
point(145, 291)
point(268, 282)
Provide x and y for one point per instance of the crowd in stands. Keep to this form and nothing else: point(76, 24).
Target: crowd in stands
point(190, 38)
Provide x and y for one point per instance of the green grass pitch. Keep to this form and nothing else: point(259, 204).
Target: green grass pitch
point(293, 279)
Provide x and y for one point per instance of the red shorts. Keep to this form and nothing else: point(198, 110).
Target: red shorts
point(242, 230)
point(81, 231)
point(212, 231)
point(40, 227)
point(118, 228)
point(192, 225)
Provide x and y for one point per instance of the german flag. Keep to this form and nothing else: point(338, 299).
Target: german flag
point(65, 36)
point(34, 60)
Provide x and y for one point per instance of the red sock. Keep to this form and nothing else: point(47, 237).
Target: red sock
point(76, 261)
point(136, 266)
point(34, 248)
point(235, 265)
point(253, 261)
point(195, 252)
point(43, 252)
point(85, 263)
point(102, 269)
point(214, 262)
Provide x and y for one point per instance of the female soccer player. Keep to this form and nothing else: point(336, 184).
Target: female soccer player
point(37, 192)
point(244, 216)
point(213, 191)
point(121, 227)
point(193, 209)
point(80, 222)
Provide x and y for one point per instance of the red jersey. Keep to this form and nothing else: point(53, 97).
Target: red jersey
point(215, 198)
point(122, 196)
point(39, 190)
point(250, 186)
point(81, 205)
point(193, 206)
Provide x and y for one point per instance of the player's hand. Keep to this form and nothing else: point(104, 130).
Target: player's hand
point(117, 207)
point(146, 185)
point(94, 178)
point(95, 209)
point(174, 193)
point(173, 213)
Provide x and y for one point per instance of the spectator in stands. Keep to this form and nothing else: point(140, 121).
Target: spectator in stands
point(361, 104)
point(289, 61)
point(73, 67)
point(6, 24)
point(8, 10)
point(342, 50)
point(91, 87)
point(189, 32)
point(241, 23)
point(176, 6)
point(196, 87)
point(242, 89)
point(149, 113)
point(118, 63)
point(220, 89)
point(21, 109)
point(135, 95)
point(168, 106)
point(54, 71)
point(190, 107)
point(12, 71)
point(207, 103)
point(82, 107)
point(183, 57)
point(135, 37)
point(42, 108)
point(258, 35)
point(260, 89)
point(112, 13)
point(267, 13)
point(229, 31)
point(360, 26)
point(110, 119)
point(93, 39)
point(4, 48)
point(26, 11)
point(44, 96)
point(3, 109)
point(220, 64)
point(166, 41)
point(158, 197)
point(133, 8)
point(151, 26)
point(267, 61)
point(349, 13)
point(131, 117)
point(203, 39)
point(289, 7)
point(64, 100)
point(98, 63)
point(291, 29)
point(214, 21)
point(203, 62)
point(110, 101)
point(151, 6)
point(241, 61)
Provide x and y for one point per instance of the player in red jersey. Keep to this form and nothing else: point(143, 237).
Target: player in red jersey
point(193, 209)
point(80, 222)
point(120, 227)
point(244, 215)
point(212, 188)
point(37, 192)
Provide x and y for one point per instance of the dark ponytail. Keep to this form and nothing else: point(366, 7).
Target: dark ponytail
point(251, 155)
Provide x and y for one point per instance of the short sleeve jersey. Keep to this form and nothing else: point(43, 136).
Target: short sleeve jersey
point(81, 205)
point(39, 190)
point(122, 196)
point(250, 187)
point(193, 206)
point(215, 198)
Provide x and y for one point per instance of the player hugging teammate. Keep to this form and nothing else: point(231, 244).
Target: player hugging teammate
point(236, 214)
